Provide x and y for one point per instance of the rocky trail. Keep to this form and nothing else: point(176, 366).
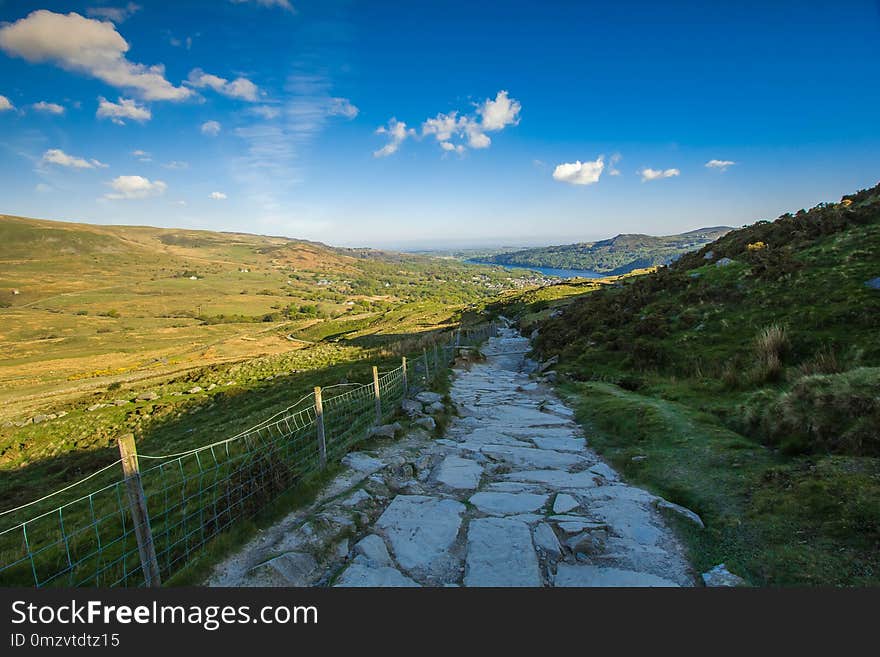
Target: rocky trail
point(512, 495)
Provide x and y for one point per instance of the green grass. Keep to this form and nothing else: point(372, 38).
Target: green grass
point(775, 520)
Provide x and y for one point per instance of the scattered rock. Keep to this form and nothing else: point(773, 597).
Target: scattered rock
point(874, 283)
point(37, 419)
point(61, 413)
point(564, 503)
point(684, 512)
point(720, 576)
point(358, 497)
point(211, 387)
point(639, 458)
point(289, 569)
point(551, 377)
point(121, 402)
point(534, 334)
point(342, 549)
point(605, 471)
point(147, 396)
point(95, 407)
point(709, 255)
point(589, 542)
point(194, 390)
point(723, 262)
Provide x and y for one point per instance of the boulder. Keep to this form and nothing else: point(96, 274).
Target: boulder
point(709, 255)
point(386, 430)
point(723, 262)
point(547, 364)
point(720, 576)
point(411, 407)
point(435, 408)
point(684, 512)
point(428, 397)
point(551, 377)
point(426, 423)
point(40, 418)
point(121, 402)
point(147, 396)
point(194, 390)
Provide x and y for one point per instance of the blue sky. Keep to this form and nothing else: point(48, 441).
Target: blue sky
point(410, 124)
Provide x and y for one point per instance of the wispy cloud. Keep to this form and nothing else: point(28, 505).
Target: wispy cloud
point(60, 158)
point(115, 14)
point(211, 128)
point(649, 174)
point(721, 165)
point(240, 88)
point(48, 108)
point(217, 196)
point(281, 4)
point(397, 133)
point(5, 104)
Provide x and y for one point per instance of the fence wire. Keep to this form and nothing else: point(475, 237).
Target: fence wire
point(193, 496)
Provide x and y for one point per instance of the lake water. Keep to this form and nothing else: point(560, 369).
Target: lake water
point(547, 271)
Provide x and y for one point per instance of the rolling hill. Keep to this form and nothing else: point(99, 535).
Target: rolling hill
point(618, 255)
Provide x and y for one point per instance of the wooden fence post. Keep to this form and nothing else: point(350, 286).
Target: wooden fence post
point(436, 358)
point(139, 515)
point(427, 368)
point(319, 422)
point(403, 368)
point(376, 395)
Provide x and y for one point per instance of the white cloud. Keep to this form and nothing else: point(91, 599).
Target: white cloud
point(49, 108)
point(126, 108)
point(135, 187)
point(42, 188)
point(87, 46)
point(211, 128)
point(59, 157)
point(175, 164)
point(240, 88)
point(656, 174)
point(397, 133)
point(721, 165)
point(281, 4)
point(218, 196)
point(499, 113)
point(455, 132)
point(115, 14)
point(5, 105)
point(580, 173)
point(342, 107)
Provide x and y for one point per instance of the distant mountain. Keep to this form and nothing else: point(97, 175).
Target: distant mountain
point(618, 255)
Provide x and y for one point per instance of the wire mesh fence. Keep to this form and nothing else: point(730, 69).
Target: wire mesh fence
point(98, 538)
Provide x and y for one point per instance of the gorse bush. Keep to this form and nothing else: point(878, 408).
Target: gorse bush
point(837, 413)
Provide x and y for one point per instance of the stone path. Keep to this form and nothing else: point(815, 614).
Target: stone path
point(510, 496)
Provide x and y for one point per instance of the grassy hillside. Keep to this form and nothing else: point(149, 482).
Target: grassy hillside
point(743, 381)
point(618, 255)
point(91, 317)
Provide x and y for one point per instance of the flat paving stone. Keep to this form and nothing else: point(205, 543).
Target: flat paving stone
point(420, 529)
point(503, 504)
point(600, 576)
point(500, 553)
point(361, 575)
point(459, 473)
point(560, 443)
